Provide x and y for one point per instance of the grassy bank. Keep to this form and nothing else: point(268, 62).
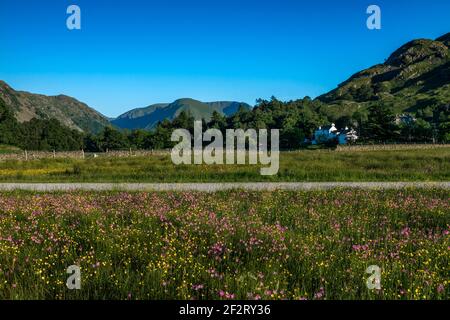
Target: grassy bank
point(380, 165)
point(228, 245)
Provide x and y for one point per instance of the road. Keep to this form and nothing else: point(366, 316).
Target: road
point(213, 187)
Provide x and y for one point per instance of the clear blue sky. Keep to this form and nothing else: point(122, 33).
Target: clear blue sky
point(132, 53)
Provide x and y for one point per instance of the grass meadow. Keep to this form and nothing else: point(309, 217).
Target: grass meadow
point(227, 245)
point(318, 165)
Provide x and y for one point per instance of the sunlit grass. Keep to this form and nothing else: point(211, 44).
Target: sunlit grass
point(404, 165)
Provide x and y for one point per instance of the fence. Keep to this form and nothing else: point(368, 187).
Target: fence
point(36, 155)
point(419, 146)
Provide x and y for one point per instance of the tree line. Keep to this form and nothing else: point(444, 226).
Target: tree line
point(296, 120)
point(37, 134)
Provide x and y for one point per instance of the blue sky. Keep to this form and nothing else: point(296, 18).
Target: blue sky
point(134, 53)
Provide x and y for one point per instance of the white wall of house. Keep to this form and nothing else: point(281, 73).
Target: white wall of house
point(324, 134)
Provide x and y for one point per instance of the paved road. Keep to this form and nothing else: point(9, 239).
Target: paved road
point(212, 187)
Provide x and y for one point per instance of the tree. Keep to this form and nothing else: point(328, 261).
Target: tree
point(441, 123)
point(291, 138)
point(184, 120)
point(240, 118)
point(360, 119)
point(112, 139)
point(380, 124)
point(344, 121)
point(49, 134)
point(218, 121)
point(422, 131)
point(91, 143)
point(9, 128)
point(161, 136)
point(137, 138)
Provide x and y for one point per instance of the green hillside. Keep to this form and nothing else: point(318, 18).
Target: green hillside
point(69, 111)
point(415, 78)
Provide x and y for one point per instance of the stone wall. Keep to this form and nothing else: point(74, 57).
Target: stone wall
point(36, 155)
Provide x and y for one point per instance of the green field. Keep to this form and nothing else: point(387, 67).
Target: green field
point(319, 165)
point(227, 245)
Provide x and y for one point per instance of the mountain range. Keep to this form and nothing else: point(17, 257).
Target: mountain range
point(414, 78)
point(77, 115)
point(149, 117)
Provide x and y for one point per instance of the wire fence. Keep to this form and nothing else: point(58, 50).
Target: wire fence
point(81, 154)
point(375, 147)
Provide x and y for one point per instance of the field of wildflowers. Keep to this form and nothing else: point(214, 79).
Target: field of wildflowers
point(226, 245)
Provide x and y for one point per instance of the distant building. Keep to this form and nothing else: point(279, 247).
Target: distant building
point(328, 133)
point(405, 119)
point(349, 135)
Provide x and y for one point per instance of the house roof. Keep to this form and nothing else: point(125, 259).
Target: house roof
point(327, 128)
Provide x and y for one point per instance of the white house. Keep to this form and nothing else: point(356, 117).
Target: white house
point(405, 118)
point(327, 133)
point(348, 135)
point(324, 134)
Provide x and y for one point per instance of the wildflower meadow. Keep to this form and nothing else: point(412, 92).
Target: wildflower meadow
point(226, 245)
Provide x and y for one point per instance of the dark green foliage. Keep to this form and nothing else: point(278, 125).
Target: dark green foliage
point(8, 126)
point(91, 143)
point(112, 139)
point(185, 120)
point(291, 138)
point(37, 134)
point(137, 139)
point(218, 121)
point(160, 138)
point(418, 131)
point(380, 126)
point(49, 135)
point(441, 123)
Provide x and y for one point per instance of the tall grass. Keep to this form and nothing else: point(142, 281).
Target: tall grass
point(381, 165)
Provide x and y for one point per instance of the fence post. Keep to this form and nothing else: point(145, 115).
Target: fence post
point(82, 153)
point(26, 155)
point(54, 154)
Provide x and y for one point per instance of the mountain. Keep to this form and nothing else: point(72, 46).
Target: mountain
point(69, 111)
point(414, 77)
point(445, 39)
point(148, 118)
point(137, 118)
